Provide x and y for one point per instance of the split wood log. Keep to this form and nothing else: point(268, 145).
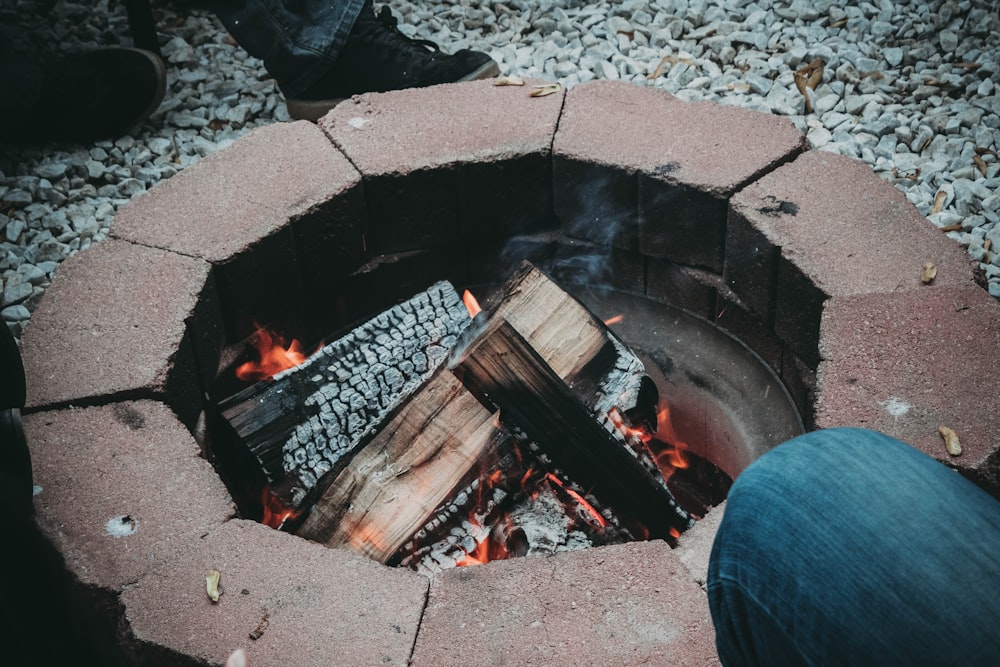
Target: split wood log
point(398, 481)
point(302, 423)
point(599, 368)
point(500, 368)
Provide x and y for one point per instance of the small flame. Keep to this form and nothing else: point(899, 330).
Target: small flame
point(587, 507)
point(613, 320)
point(274, 357)
point(471, 304)
point(275, 512)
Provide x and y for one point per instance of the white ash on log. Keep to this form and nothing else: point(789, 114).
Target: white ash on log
point(503, 370)
point(301, 423)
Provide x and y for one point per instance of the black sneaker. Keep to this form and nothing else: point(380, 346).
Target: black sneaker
point(378, 57)
point(101, 94)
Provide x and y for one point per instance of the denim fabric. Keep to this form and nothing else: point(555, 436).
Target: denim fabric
point(847, 547)
point(298, 40)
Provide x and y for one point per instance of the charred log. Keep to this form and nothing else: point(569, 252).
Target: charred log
point(303, 422)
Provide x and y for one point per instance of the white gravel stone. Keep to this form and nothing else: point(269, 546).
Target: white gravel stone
point(891, 95)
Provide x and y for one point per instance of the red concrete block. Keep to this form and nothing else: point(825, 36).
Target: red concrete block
point(824, 226)
point(123, 488)
point(689, 158)
point(694, 547)
point(276, 188)
point(426, 186)
point(909, 362)
point(630, 604)
point(114, 323)
point(310, 605)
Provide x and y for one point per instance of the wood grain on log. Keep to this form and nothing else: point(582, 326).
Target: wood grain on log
point(395, 484)
point(503, 370)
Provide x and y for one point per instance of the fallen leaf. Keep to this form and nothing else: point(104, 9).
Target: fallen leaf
point(951, 228)
point(258, 632)
point(545, 89)
point(939, 201)
point(212, 584)
point(968, 65)
point(985, 151)
point(839, 23)
point(981, 164)
point(508, 81)
point(929, 273)
point(668, 60)
point(951, 442)
point(808, 77)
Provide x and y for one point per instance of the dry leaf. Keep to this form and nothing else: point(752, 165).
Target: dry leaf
point(951, 442)
point(809, 77)
point(212, 584)
point(985, 151)
point(968, 65)
point(545, 89)
point(839, 23)
point(981, 164)
point(957, 227)
point(939, 201)
point(668, 60)
point(929, 273)
point(508, 81)
point(258, 632)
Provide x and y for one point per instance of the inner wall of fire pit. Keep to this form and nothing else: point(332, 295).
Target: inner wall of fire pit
point(726, 405)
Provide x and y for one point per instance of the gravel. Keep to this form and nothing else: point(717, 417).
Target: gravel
point(908, 88)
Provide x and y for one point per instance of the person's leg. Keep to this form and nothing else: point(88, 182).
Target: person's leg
point(20, 80)
point(322, 52)
point(298, 40)
point(845, 546)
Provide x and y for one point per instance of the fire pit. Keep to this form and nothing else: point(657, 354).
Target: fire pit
point(809, 258)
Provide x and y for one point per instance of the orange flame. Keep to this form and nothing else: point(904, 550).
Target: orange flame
point(613, 320)
point(587, 507)
point(488, 549)
point(274, 357)
point(471, 304)
point(275, 512)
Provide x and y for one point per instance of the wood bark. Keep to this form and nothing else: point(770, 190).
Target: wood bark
point(503, 370)
point(302, 423)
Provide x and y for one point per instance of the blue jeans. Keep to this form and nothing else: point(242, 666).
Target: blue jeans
point(298, 40)
point(847, 547)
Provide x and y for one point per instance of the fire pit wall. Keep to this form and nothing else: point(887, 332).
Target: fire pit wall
point(808, 257)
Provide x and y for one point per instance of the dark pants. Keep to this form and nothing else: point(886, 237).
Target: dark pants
point(298, 40)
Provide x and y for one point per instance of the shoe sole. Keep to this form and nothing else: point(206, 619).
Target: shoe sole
point(313, 110)
point(161, 89)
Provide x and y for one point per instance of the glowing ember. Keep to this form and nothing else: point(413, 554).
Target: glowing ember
point(471, 304)
point(275, 513)
point(487, 548)
point(274, 357)
point(613, 320)
point(587, 507)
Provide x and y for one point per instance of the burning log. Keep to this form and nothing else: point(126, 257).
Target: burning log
point(397, 482)
point(303, 422)
point(503, 370)
point(598, 367)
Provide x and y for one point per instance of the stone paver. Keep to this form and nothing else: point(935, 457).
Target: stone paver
point(312, 605)
point(689, 157)
point(113, 323)
point(123, 488)
point(908, 362)
point(631, 604)
point(822, 226)
point(467, 161)
point(280, 205)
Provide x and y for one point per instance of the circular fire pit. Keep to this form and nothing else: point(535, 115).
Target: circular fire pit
point(808, 257)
